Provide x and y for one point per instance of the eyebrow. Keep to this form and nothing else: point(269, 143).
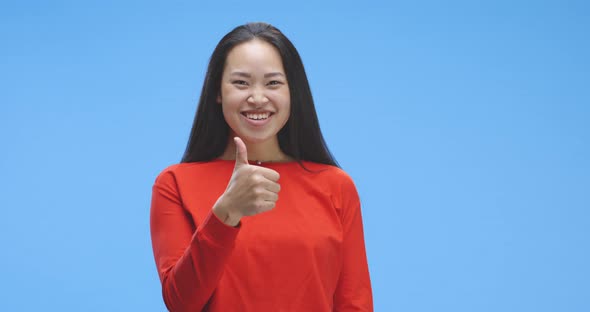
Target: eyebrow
point(246, 75)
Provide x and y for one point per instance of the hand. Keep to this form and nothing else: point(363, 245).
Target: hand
point(250, 191)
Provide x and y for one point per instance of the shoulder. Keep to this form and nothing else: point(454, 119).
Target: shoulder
point(334, 177)
point(337, 184)
point(323, 171)
point(188, 171)
point(171, 171)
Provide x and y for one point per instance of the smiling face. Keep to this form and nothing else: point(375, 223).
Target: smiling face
point(254, 92)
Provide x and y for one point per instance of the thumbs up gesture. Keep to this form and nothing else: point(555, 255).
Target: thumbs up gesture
point(250, 191)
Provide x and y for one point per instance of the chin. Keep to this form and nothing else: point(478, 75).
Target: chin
point(255, 139)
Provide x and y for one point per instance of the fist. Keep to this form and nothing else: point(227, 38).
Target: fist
point(250, 191)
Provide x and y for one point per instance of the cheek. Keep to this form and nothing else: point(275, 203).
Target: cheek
point(229, 113)
point(285, 109)
point(288, 109)
point(232, 100)
point(287, 106)
point(281, 99)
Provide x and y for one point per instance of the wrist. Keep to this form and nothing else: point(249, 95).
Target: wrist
point(225, 214)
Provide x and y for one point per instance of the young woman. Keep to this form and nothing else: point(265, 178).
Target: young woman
point(223, 238)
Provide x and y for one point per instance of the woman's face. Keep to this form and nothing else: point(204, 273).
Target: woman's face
point(254, 91)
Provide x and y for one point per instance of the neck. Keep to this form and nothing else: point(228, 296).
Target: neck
point(268, 151)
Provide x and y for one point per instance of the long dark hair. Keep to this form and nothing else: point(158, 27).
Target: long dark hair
point(300, 138)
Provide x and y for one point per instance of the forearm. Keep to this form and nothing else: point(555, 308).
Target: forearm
point(190, 282)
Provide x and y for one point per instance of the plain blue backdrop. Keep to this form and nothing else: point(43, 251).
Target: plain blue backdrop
point(465, 125)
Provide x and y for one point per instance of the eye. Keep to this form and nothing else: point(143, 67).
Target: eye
point(239, 82)
point(275, 83)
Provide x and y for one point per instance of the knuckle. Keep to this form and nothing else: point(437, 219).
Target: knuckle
point(259, 206)
point(247, 170)
point(258, 191)
point(255, 178)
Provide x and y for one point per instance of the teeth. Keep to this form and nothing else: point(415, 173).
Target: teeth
point(257, 116)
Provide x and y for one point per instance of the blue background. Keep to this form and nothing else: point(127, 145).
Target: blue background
point(465, 125)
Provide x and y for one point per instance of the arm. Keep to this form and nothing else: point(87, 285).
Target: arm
point(353, 292)
point(190, 262)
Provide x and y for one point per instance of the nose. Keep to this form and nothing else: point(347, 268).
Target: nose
point(257, 98)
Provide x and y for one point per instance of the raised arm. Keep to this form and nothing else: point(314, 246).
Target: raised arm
point(190, 257)
point(191, 261)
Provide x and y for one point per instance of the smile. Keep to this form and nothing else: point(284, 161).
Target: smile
point(257, 116)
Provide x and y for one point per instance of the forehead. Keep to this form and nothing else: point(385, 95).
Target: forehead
point(254, 55)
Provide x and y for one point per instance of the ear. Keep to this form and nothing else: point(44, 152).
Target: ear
point(219, 99)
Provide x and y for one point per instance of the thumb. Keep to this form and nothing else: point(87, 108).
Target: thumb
point(241, 153)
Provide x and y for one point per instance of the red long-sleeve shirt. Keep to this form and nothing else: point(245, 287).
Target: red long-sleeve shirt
point(307, 254)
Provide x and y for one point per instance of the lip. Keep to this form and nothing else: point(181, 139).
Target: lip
point(257, 123)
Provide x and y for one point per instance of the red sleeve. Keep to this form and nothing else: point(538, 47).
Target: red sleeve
point(353, 292)
point(190, 262)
